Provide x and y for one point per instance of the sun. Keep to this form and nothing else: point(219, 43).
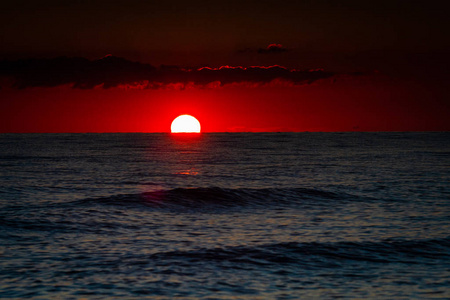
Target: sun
point(185, 123)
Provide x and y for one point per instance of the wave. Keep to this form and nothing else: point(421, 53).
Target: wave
point(215, 197)
point(320, 254)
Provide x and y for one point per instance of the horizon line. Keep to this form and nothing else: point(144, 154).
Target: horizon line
point(212, 132)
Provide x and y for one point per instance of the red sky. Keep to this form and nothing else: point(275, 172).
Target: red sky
point(383, 66)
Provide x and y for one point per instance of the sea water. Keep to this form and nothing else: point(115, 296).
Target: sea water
point(225, 216)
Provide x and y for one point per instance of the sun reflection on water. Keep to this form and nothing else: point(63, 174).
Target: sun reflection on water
point(187, 172)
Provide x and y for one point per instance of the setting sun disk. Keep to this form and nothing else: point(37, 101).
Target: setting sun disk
point(185, 124)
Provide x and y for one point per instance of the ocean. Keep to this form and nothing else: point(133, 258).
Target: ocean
point(225, 216)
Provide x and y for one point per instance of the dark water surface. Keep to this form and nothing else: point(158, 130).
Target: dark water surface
point(225, 216)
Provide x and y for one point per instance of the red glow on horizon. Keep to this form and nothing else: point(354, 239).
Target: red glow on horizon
point(349, 105)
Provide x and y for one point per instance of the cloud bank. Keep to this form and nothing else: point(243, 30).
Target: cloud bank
point(112, 71)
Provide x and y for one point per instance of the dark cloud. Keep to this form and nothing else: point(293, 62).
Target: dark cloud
point(113, 71)
point(109, 71)
point(273, 48)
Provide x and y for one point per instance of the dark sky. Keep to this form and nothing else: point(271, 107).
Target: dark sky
point(213, 32)
point(398, 50)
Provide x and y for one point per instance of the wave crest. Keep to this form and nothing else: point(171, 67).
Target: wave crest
point(215, 197)
point(320, 254)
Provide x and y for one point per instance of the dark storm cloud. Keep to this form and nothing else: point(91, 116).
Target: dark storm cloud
point(113, 71)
